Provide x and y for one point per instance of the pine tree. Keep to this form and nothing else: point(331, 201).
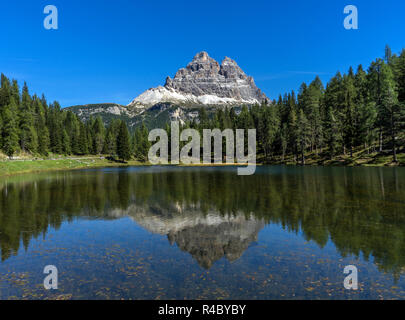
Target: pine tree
point(71, 124)
point(310, 100)
point(123, 143)
point(98, 133)
point(365, 119)
point(66, 147)
point(89, 136)
point(284, 140)
point(400, 76)
point(375, 88)
point(43, 141)
point(348, 114)
point(137, 140)
point(271, 124)
point(145, 145)
point(303, 134)
point(388, 55)
point(10, 132)
point(28, 134)
point(5, 91)
point(332, 132)
point(110, 146)
point(141, 142)
point(390, 112)
point(55, 128)
point(333, 100)
point(40, 126)
point(365, 113)
point(15, 92)
point(292, 133)
point(83, 141)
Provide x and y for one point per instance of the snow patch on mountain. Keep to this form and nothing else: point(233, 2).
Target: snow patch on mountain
point(162, 94)
point(205, 82)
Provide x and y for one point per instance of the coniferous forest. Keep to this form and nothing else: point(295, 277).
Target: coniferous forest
point(361, 109)
point(29, 124)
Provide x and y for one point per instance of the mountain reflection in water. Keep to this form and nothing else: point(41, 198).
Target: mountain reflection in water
point(213, 213)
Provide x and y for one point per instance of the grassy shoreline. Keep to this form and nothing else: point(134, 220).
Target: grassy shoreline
point(15, 167)
point(30, 165)
point(360, 158)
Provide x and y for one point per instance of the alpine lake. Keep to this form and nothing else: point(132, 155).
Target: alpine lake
point(166, 232)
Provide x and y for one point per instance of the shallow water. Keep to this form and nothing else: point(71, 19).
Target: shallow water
point(204, 233)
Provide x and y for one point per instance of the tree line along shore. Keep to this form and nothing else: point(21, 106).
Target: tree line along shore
point(357, 119)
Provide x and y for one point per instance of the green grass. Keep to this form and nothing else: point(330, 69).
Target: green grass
point(8, 168)
point(30, 165)
point(360, 158)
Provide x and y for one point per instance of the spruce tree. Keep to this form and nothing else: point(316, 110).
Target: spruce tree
point(71, 125)
point(54, 122)
point(375, 77)
point(400, 76)
point(292, 133)
point(40, 126)
point(335, 96)
point(284, 140)
point(271, 124)
point(5, 91)
point(390, 112)
point(123, 143)
point(332, 132)
point(310, 100)
point(365, 113)
point(98, 134)
point(83, 141)
point(66, 147)
point(348, 114)
point(10, 129)
point(110, 146)
point(28, 134)
point(145, 144)
point(43, 141)
point(303, 134)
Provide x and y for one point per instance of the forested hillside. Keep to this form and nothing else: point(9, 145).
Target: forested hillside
point(361, 111)
point(29, 124)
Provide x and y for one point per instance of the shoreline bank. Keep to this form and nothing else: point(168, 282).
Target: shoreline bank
point(17, 167)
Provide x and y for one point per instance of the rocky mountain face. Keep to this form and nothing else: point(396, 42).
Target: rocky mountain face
point(202, 83)
point(208, 243)
point(206, 236)
point(205, 82)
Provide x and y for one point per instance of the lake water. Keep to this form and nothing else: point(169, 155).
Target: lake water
point(204, 233)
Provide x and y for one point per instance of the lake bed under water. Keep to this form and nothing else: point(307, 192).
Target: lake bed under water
point(204, 233)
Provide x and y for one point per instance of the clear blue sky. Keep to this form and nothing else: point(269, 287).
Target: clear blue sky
point(111, 51)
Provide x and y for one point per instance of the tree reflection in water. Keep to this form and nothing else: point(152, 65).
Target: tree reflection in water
point(212, 212)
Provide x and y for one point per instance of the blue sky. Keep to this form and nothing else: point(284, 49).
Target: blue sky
point(111, 51)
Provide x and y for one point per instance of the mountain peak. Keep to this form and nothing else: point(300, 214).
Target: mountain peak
point(201, 56)
point(228, 60)
point(204, 81)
